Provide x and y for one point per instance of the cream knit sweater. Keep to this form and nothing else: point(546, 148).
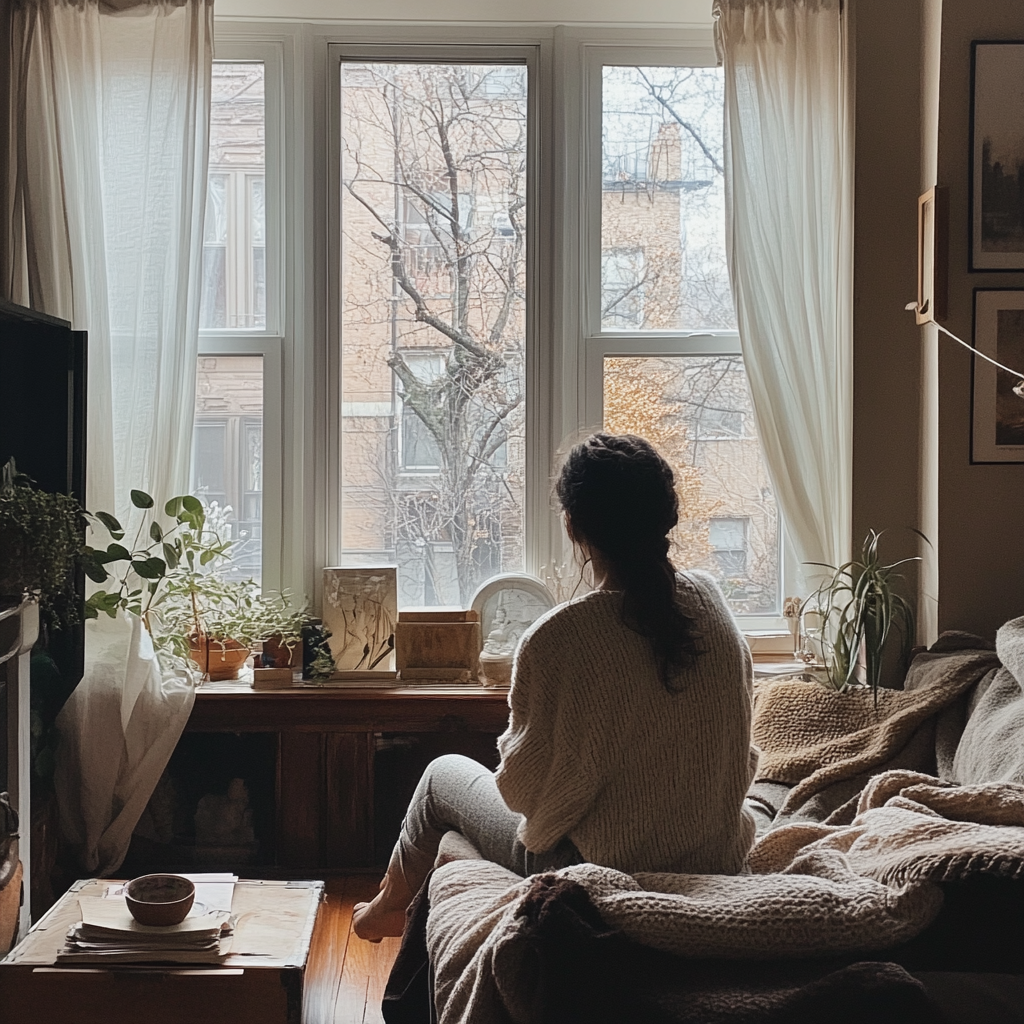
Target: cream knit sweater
point(597, 750)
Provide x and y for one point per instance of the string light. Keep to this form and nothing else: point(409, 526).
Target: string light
point(1018, 388)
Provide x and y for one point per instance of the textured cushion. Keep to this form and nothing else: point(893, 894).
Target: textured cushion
point(991, 748)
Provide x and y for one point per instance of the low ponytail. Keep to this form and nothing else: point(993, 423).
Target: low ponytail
point(619, 495)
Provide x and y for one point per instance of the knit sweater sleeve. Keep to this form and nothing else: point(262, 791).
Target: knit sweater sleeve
point(549, 770)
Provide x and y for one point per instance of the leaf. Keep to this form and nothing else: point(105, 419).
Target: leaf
point(155, 532)
point(174, 507)
point(171, 556)
point(140, 499)
point(150, 568)
point(207, 556)
point(92, 566)
point(192, 504)
point(117, 553)
point(113, 526)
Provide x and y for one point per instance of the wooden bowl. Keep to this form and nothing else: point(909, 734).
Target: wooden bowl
point(159, 899)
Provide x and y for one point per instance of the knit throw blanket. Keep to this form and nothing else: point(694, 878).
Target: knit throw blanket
point(815, 738)
point(815, 890)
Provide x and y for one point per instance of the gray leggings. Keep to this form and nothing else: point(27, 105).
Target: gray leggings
point(458, 794)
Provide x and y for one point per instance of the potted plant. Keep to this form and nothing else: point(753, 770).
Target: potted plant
point(170, 580)
point(859, 608)
point(40, 538)
point(281, 631)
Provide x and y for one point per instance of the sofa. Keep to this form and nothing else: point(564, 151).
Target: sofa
point(886, 882)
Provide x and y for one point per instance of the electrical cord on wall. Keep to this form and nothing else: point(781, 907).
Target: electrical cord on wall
point(1018, 388)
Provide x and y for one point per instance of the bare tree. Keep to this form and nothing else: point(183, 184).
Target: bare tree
point(438, 165)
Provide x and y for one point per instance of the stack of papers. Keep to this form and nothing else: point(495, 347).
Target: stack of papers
point(109, 933)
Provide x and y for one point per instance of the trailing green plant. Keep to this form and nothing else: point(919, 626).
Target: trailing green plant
point(41, 534)
point(860, 609)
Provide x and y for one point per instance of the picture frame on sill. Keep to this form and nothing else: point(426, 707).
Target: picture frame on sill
point(360, 608)
point(997, 411)
point(997, 155)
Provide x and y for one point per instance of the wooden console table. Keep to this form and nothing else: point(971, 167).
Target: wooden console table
point(325, 753)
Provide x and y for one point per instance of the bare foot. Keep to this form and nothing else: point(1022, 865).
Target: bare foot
point(374, 920)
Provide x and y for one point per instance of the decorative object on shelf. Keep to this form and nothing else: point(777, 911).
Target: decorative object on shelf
point(317, 662)
point(932, 255)
point(997, 417)
point(41, 535)
point(858, 608)
point(360, 609)
point(437, 644)
point(997, 155)
point(507, 605)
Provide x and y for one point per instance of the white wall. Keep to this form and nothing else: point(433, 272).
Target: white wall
point(549, 12)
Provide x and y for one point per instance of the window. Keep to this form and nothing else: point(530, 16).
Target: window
point(237, 456)
point(234, 250)
point(662, 358)
point(227, 455)
point(452, 259)
point(432, 319)
point(728, 539)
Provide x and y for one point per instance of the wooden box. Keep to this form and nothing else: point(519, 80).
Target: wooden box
point(259, 982)
point(436, 644)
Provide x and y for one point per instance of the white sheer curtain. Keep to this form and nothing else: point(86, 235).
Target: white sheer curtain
point(111, 106)
point(111, 141)
point(789, 174)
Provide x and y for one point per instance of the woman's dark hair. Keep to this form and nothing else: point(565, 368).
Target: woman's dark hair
point(619, 495)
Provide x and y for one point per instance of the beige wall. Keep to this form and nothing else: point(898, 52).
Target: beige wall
point(911, 388)
point(980, 508)
point(888, 428)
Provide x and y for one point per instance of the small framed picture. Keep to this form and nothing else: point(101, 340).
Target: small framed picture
point(932, 254)
point(360, 609)
point(997, 414)
point(997, 155)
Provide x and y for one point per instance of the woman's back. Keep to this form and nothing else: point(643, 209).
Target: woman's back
point(640, 775)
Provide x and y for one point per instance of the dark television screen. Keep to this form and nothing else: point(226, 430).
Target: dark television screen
point(42, 408)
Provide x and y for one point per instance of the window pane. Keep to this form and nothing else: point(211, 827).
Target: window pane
point(696, 411)
point(663, 263)
point(433, 322)
point(234, 272)
point(227, 455)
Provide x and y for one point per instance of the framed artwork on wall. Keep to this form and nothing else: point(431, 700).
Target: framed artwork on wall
point(932, 255)
point(997, 405)
point(997, 155)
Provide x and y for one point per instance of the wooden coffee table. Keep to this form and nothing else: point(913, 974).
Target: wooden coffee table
point(259, 982)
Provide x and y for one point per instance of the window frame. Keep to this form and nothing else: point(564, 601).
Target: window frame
point(268, 342)
point(464, 46)
point(564, 356)
point(598, 342)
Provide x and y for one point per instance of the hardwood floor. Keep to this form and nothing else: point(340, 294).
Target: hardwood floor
point(345, 977)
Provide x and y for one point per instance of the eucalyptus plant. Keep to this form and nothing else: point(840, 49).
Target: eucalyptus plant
point(168, 577)
point(860, 608)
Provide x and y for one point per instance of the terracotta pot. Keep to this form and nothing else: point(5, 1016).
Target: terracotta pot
point(278, 655)
point(219, 659)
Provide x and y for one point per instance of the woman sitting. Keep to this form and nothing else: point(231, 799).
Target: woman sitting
point(629, 739)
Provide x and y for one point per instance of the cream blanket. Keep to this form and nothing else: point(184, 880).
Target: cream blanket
point(817, 889)
point(818, 739)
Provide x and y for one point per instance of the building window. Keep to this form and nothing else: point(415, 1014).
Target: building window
point(727, 536)
point(432, 331)
point(227, 456)
point(234, 250)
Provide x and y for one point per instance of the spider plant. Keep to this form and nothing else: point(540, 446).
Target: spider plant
point(860, 609)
